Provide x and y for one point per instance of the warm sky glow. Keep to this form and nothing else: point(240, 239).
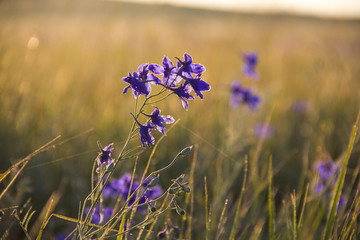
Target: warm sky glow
point(330, 8)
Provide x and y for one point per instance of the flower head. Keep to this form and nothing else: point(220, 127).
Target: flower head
point(198, 85)
point(262, 130)
point(145, 133)
point(157, 121)
point(326, 169)
point(104, 156)
point(183, 93)
point(186, 67)
point(138, 87)
point(240, 95)
point(168, 71)
point(250, 62)
point(145, 76)
point(121, 187)
point(100, 216)
point(300, 106)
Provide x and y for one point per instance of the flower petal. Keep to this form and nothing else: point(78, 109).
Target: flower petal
point(157, 69)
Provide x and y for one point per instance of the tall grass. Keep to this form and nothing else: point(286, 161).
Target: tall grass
point(61, 65)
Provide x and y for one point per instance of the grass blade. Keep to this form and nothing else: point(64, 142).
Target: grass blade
point(271, 213)
point(237, 214)
point(340, 182)
point(293, 200)
point(206, 210)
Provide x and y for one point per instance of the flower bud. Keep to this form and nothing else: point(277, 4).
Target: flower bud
point(186, 189)
point(186, 150)
point(154, 181)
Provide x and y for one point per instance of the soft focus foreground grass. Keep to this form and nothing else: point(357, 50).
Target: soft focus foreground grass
point(71, 82)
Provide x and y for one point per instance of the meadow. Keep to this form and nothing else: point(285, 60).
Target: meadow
point(61, 70)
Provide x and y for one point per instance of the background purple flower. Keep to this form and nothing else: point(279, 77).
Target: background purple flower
point(326, 169)
point(250, 62)
point(121, 187)
point(107, 212)
point(263, 130)
point(300, 106)
point(240, 95)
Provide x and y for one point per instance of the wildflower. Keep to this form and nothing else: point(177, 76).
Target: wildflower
point(138, 87)
point(240, 95)
point(341, 203)
point(157, 121)
point(250, 62)
point(167, 70)
point(162, 234)
point(320, 186)
point(198, 85)
point(300, 106)
point(121, 187)
point(264, 131)
point(145, 133)
point(183, 93)
point(100, 217)
point(104, 156)
point(151, 192)
point(327, 169)
point(145, 76)
point(187, 67)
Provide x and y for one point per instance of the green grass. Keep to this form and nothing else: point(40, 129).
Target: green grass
point(71, 82)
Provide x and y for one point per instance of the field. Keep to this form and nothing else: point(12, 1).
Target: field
point(61, 70)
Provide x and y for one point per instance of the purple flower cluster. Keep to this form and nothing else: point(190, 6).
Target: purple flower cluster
point(250, 62)
point(328, 172)
point(241, 95)
point(172, 77)
point(121, 187)
point(238, 93)
point(179, 80)
point(97, 214)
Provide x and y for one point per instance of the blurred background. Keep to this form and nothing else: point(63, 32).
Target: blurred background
point(61, 70)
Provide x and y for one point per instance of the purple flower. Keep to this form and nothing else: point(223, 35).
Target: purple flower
point(138, 87)
point(250, 62)
point(300, 106)
point(198, 85)
point(145, 76)
point(239, 95)
point(263, 130)
point(168, 70)
point(140, 81)
point(121, 187)
point(96, 219)
point(187, 67)
point(145, 133)
point(342, 202)
point(104, 156)
point(157, 121)
point(320, 186)
point(183, 93)
point(327, 170)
